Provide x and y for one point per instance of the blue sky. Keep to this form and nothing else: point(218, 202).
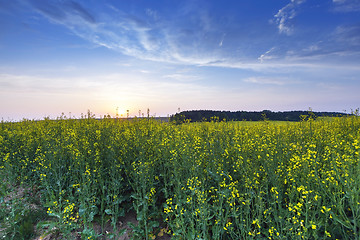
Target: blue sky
point(70, 56)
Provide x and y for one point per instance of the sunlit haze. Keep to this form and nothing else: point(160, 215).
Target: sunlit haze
point(61, 56)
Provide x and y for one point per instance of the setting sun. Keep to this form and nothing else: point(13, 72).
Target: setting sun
point(120, 112)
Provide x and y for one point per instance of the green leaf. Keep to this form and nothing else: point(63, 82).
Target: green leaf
point(110, 235)
point(154, 224)
point(121, 212)
point(122, 231)
point(120, 200)
point(134, 196)
point(82, 211)
point(139, 217)
point(108, 211)
point(54, 215)
point(45, 224)
point(130, 224)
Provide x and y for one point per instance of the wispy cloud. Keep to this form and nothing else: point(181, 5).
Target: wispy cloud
point(191, 39)
point(35, 84)
point(152, 13)
point(346, 5)
point(285, 15)
point(64, 11)
point(266, 55)
point(330, 86)
point(222, 40)
point(183, 77)
point(128, 84)
point(348, 35)
point(148, 37)
point(25, 83)
point(341, 45)
point(270, 81)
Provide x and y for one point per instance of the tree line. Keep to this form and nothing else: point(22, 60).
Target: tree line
point(210, 115)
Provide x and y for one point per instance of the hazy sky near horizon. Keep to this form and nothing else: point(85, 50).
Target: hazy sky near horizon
point(70, 56)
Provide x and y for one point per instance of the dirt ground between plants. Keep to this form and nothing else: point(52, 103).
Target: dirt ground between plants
point(22, 193)
point(123, 224)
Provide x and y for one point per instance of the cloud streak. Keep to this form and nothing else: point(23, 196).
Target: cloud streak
point(140, 37)
point(63, 12)
point(183, 77)
point(270, 81)
point(285, 15)
point(346, 5)
point(266, 55)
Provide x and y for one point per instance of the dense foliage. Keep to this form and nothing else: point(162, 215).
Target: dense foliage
point(208, 115)
point(210, 180)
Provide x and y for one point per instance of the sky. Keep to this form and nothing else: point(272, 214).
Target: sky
point(62, 56)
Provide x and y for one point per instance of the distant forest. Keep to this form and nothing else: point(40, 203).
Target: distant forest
point(209, 115)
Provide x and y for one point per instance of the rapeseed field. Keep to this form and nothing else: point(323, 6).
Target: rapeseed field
point(209, 180)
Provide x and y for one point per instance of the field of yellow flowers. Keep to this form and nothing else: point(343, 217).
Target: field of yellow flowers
point(210, 180)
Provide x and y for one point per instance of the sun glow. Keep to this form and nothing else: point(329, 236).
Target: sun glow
point(120, 112)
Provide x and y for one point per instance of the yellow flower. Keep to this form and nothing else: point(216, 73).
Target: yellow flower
point(228, 224)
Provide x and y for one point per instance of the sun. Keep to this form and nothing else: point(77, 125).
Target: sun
point(120, 112)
